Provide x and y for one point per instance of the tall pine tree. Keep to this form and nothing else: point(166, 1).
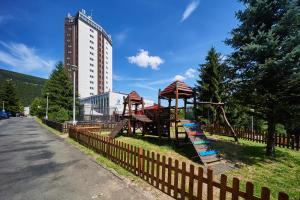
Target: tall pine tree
point(8, 94)
point(266, 59)
point(208, 85)
point(60, 92)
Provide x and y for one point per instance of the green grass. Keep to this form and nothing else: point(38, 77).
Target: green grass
point(281, 173)
point(56, 132)
point(102, 160)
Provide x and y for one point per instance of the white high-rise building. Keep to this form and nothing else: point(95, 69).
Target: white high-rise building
point(89, 47)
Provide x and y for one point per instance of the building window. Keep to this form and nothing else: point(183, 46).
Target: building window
point(91, 53)
point(91, 42)
point(91, 76)
point(91, 64)
point(92, 30)
point(91, 36)
point(91, 47)
point(91, 70)
point(91, 59)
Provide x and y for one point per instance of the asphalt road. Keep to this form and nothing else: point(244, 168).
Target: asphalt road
point(36, 164)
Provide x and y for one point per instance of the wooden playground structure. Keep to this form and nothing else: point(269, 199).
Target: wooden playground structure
point(157, 120)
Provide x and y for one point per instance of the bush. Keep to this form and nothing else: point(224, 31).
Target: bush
point(60, 116)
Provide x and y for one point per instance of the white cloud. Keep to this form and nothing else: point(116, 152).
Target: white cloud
point(23, 58)
point(190, 73)
point(179, 78)
point(143, 59)
point(189, 9)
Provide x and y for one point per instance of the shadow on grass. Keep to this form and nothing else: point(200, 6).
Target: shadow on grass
point(249, 154)
point(186, 150)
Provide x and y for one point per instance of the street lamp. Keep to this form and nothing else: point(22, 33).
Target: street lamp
point(47, 106)
point(74, 69)
point(252, 110)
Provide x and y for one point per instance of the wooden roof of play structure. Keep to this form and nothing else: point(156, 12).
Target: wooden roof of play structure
point(134, 97)
point(184, 91)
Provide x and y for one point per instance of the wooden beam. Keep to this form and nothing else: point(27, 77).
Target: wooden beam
point(211, 103)
point(176, 112)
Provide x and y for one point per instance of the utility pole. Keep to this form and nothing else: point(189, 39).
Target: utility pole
point(47, 106)
point(74, 69)
point(252, 119)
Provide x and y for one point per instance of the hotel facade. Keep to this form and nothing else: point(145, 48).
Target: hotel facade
point(88, 46)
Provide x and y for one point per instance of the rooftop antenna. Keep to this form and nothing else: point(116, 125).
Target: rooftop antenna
point(91, 12)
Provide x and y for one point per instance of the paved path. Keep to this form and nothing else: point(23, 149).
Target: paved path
point(35, 164)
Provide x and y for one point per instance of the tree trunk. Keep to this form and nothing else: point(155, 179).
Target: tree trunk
point(270, 150)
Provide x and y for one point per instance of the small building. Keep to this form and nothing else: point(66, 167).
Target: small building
point(105, 104)
point(26, 111)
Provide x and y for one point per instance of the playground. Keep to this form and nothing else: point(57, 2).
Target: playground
point(176, 133)
point(166, 124)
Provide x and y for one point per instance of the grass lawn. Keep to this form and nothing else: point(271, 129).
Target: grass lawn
point(281, 173)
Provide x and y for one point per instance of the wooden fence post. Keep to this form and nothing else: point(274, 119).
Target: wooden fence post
point(183, 174)
point(283, 196)
point(223, 187)
point(235, 189)
point(210, 191)
point(265, 193)
point(200, 183)
point(249, 191)
point(191, 182)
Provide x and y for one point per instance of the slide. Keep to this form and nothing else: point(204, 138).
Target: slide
point(118, 128)
point(200, 142)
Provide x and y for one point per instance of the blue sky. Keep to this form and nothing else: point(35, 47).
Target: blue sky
point(154, 41)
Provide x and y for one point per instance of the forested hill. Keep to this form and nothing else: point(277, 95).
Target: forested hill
point(28, 87)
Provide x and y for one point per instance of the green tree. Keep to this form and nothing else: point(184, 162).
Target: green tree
point(60, 92)
point(9, 96)
point(37, 107)
point(208, 84)
point(266, 59)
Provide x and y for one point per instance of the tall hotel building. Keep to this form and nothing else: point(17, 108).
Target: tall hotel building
point(89, 47)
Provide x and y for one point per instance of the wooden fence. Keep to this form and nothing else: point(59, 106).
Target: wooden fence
point(286, 141)
point(172, 177)
point(62, 127)
point(93, 127)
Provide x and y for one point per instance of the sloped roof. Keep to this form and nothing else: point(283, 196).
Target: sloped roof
point(134, 96)
point(184, 91)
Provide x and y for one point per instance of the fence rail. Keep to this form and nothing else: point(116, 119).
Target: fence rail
point(90, 126)
point(285, 141)
point(172, 177)
point(62, 127)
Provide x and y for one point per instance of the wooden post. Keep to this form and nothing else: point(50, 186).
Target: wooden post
point(228, 124)
point(159, 129)
point(176, 112)
point(184, 108)
point(169, 133)
point(129, 120)
point(195, 105)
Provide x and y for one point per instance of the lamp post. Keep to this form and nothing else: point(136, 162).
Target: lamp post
point(74, 69)
point(3, 109)
point(47, 106)
point(252, 110)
